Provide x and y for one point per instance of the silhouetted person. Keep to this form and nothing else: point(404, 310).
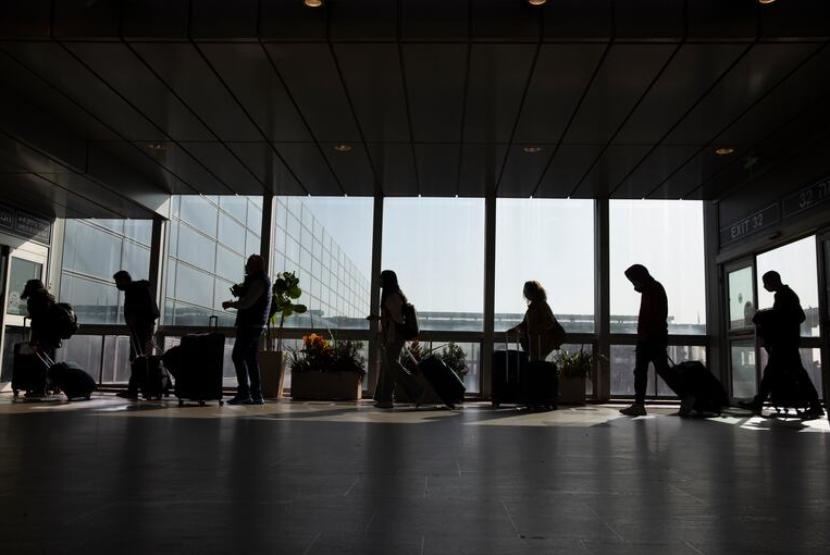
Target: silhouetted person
point(392, 374)
point(253, 307)
point(39, 303)
point(140, 314)
point(652, 334)
point(538, 330)
point(780, 331)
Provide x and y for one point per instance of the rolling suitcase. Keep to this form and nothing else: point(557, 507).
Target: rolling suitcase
point(73, 381)
point(505, 377)
point(199, 375)
point(147, 371)
point(446, 383)
point(28, 372)
point(541, 385)
point(693, 381)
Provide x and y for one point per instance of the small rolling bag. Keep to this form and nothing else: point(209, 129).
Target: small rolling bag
point(446, 383)
point(506, 375)
point(199, 376)
point(28, 371)
point(541, 385)
point(148, 372)
point(72, 380)
point(693, 379)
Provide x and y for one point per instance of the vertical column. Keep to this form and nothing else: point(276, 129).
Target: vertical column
point(374, 295)
point(489, 293)
point(602, 296)
point(715, 350)
point(266, 233)
point(823, 258)
point(157, 257)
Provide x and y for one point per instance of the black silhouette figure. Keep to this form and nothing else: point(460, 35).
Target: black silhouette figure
point(140, 314)
point(39, 303)
point(539, 332)
point(253, 307)
point(652, 334)
point(779, 329)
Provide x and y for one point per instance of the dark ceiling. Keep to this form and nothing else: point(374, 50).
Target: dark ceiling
point(110, 104)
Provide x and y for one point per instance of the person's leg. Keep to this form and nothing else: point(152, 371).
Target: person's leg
point(238, 355)
point(642, 357)
point(385, 390)
point(252, 362)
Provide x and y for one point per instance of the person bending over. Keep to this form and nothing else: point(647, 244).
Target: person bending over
point(140, 314)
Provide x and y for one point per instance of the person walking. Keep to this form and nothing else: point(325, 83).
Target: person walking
point(39, 303)
point(652, 334)
point(253, 307)
point(140, 315)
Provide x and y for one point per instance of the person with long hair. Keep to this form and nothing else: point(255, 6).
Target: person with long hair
point(39, 302)
point(538, 332)
point(392, 374)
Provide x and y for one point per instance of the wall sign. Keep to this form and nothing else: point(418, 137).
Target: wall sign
point(755, 222)
point(25, 225)
point(806, 198)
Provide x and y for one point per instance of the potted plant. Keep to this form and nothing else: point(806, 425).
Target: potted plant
point(450, 354)
point(324, 370)
point(574, 369)
point(284, 292)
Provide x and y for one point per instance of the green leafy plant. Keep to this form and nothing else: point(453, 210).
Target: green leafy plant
point(284, 292)
point(321, 355)
point(576, 365)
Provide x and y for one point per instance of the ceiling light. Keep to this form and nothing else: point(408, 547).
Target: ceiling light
point(766, 1)
point(531, 149)
point(156, 146)
point(724, 150)
point(313, 3)
point(537, 2)
point(343, 148)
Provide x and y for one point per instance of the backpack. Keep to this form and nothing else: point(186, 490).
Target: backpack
point(63, 320)
point(409, 329)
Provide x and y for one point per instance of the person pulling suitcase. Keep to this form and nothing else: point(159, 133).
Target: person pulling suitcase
point(140, 314)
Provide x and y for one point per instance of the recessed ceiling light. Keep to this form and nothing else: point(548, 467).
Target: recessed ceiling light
point(766, 1)
point(531, 149)
point(343, 148)
point(724, 150)
point(537, 2)
point(156, 146)
point(313, 3)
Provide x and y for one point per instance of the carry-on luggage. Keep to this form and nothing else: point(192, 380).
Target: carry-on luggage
point(28, 372)
point(540, 382)
point(693, 381)
point(791, 388)
point(197, 365)
point(148, 373)
point(506, 375)
point(445, 382)
point(73, 381)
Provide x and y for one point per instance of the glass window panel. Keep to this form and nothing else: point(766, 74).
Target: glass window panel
point(136, 260)
point(140, 231)
point(85, 351)
point(173, 238)
point(21, 271)
point(196, 249)
point(89, 250)
point(436, 246)
point(116, 226)
point(234, 205)
point(200, 213)
point(253, 245)
point(254, 218)
point(229, 265)
point(116, 368)
point(526, 229)
point(231, 233)
point(796, 262)
point(744, 373)
point(94, 302)
point(667, 238)
point(189, 315)
point(741, 295)
point(194, 286)
point(222, 293)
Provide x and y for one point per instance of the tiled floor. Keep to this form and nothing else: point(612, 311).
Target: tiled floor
point(103, 476)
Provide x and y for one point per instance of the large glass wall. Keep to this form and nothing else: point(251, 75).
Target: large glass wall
point(93, 250)
point(209, 239)
point(550, 241)
point(327, 242)
point(436, 246)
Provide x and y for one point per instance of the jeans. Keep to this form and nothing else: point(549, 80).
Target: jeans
point(392, 373)
point(244, 356)
point(648, 352)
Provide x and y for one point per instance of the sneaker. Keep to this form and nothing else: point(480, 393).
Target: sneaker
point(687, 404)
point(384, 405)
point(240, 401)
point(752, 405)
point(636, 409)
point(127, 395)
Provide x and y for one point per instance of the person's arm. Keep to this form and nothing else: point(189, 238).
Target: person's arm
point(394, 307)
point(252, 294)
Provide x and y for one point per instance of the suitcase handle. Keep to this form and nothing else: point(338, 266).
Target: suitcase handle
point(213, 323)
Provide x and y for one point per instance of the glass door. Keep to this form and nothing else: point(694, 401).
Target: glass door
point(742, 301)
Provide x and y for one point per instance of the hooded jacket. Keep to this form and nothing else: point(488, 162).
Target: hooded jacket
point(652, 322)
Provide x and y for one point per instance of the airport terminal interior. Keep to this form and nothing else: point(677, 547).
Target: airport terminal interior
point(229, 155)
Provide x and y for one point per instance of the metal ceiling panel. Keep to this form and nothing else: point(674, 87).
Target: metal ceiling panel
point(25, 18)
point(133, 81)
point(562, 73)
point(43, 197)
point(497, 80)
point(290, 20)
point(80, 186)
point(260, 158)
point(395, 167)
point(650, 19)
point(142, 161)
point(186, 166)
point(437, 169)
point(363, 20)
point(480, 168)
point(224, 163)
point(567, 168)
point(59, 69)
point(86, 19)
point(19, 158)
point(622, 79)
point(578, 20)
point(691, 72)
point(434, 20)
point(610, 169)
point(158, 19)
point(245, 68)
point(686, 182)
point(796, 20)
point(372, 74)
point(716, 19)
point(498, 20)
point(311, 77)
point(311, 167)
point(353, 169)
point(656, 168)
point(220, 19)
point(522, 171)
point(435, 85)
point(754, 75)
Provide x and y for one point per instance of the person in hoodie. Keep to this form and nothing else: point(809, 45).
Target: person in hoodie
point(140, 314)
point(652, 334)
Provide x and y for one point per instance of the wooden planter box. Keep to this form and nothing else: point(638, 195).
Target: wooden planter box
point(326, 386)
point(571, 391)
point(272, 370)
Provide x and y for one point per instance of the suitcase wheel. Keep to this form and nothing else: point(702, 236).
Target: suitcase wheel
point(221, 403)
point(201, 403)
point(181, 402)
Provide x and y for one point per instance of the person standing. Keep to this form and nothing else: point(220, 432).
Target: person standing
point(652, 334)
point(780, 329)
point(253, 308)
point(39, 303)
point(539, 332)
point(140, 315)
